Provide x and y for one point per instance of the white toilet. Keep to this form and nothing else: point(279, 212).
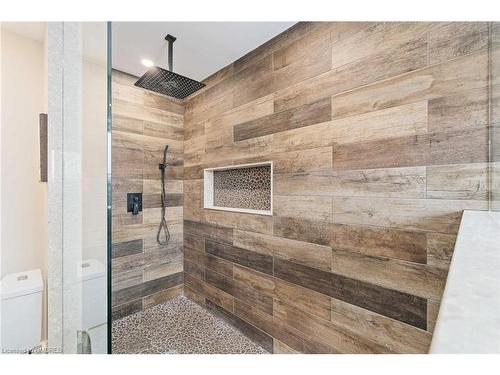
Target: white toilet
point(21, 307)
point(92, 275)
point(21, 314)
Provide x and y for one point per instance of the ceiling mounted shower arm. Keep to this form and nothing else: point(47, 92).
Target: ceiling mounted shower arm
point(170, 39)
point(165, 81)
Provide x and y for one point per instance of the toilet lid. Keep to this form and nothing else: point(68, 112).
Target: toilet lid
point(90, 269)
point(21, 284)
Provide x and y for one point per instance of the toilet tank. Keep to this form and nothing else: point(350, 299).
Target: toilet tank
point(21, 314)
point(92, 275)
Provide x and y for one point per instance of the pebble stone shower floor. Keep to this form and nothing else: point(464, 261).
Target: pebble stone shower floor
point(179, 326)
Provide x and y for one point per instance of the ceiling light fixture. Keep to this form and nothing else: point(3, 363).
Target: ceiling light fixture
point(147, 63)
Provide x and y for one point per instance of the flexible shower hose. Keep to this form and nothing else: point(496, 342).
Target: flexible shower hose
point(163, 223)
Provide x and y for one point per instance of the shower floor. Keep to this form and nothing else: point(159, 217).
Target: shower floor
point(179, 326)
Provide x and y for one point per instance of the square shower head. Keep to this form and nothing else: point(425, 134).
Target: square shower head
point(168, 83)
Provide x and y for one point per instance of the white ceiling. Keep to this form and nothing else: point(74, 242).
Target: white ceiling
point(31, 30)
point(93, 36)
point(201, 48)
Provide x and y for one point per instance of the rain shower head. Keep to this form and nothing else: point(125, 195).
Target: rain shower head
point(167, 82)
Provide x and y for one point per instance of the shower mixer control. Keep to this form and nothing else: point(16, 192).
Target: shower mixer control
point(134, 203)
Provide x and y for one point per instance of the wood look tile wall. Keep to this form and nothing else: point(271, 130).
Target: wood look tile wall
point(379, 135)
point(145, 273)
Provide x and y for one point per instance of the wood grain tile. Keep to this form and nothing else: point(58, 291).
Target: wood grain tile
point(154, 129)
point(125, 279)
point(441, 80)
point(139, 111)
point(279, 329)
point(432, 314)
point(392, 334)
point(409, 309)
point(161, 268)
point(388, 153)
point(194, 296)
point(127, 248)
point(458, 181)
point(310, 254)
point(303, 207)
point(317, 232)
point(385, 242)
point(154, 200)
point(279, 41)
point(218, 297)
point(126, 91)
point(146, 288)
point(143, 122)
point(163, 102)
point(220, 282)
point(193, 200)
point(383, 180)
point(290, 65)
point(193, 283)
point(249, 330)
point(161, 297)
point(440, 249)
point(449, 40)
point(125, 309)
point(219, 131)
point(240, 291)
point(281, 348)
point(464, 110)
point(376, 38)
point(365, 182)
point(434, 215)
point(174, 215)
point(127, 124)
point(404, 57)
point(261, 282)
point(461, 146)
point(315, 159)
point(325, 331)
point(193, 269)
point(407, 182)
point(302, 298)
point(305, 183)
point(308, 114)
point(213, 231)
point(194, 242)
point(219, 265)
point(256, 223)
point(368, 40)
point(399, 121)
point(257, 261)
point(415, 279)
point(153, 186)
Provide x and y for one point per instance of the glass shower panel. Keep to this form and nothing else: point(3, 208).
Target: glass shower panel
point(495, 116)
point(78, 77)
point(94, 184)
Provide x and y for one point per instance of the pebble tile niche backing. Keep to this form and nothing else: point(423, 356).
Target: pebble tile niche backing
point(248, 188)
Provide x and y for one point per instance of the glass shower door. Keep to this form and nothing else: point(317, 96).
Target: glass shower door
point(495, 116)
point(77, 191)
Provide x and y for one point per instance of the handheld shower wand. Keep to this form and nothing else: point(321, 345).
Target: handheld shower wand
point(163, 223)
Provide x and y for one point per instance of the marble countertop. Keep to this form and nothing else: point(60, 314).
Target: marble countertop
point(469, 316)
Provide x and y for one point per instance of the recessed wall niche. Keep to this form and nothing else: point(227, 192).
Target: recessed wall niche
point(244, 188)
